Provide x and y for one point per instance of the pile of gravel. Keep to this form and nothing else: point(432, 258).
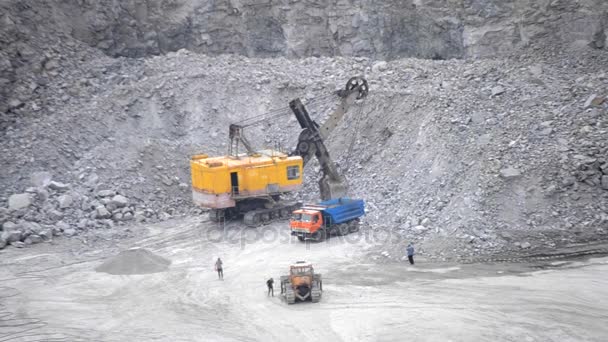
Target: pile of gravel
point(134, 261)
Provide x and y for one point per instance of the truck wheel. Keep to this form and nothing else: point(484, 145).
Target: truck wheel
point(301, 238)
point(353, 226)
point(320, 235)
point(343, 229)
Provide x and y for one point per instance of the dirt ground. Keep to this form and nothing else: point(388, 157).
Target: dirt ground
point(52, 293)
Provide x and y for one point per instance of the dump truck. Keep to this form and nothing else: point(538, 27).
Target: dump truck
point(338, 216)
point(302, 284)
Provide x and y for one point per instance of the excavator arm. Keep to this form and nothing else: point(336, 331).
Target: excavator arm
point(311, 141)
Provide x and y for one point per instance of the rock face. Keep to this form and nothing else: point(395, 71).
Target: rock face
point(297, 28)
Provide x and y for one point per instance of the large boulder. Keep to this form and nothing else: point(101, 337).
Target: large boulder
point(65, 201)
point(55, 215)
point(62, 226)
point(58, 186)
point(70, 232)
point(92, 180)
point(510, 173)
point(46, 234)
point(33, 239)
point(11, 236)
point(19, 201)
point(8, 226)
point(18, 244)
point(30, 228)
point(42, 194)
point(106, 193)
point(102, 213)
point(41, 179)
point(119, 201)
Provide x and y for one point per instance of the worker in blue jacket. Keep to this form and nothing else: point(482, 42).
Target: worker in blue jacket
point(410, 253)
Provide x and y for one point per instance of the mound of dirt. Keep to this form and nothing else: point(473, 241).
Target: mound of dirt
point(134, 261)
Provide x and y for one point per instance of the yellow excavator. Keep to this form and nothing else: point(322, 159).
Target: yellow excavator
point(249, 184)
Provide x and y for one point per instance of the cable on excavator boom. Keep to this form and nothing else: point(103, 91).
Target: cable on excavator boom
point(311, 139)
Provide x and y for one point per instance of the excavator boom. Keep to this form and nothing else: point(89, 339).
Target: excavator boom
point(311, 141)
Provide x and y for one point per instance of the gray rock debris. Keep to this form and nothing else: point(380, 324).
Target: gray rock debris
point(18, 244)
point(41, 179)
point(33, 239)
point(605, 182)
point(58, 186)
point(55, 215)
point(379, 66)
point(102, 213)
point(510, 173)
point(19, 201)
point(11, 236)
point(498, 90)
point(65, 201)
point(593, 101)
point(119, 201)
point(106, 193)
point(70, 232)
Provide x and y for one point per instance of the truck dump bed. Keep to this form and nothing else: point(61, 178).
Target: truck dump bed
point(341, 210)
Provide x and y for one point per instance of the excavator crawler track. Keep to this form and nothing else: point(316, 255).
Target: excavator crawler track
point(260, 217)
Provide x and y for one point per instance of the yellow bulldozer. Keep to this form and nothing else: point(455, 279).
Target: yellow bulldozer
point(302, 284)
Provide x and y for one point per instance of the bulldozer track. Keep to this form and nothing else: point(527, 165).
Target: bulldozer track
point(538, 256)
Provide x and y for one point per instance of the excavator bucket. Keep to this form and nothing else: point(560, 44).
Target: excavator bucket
point(331, 189)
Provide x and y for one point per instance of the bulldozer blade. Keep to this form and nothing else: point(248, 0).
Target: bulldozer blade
point(303, 298)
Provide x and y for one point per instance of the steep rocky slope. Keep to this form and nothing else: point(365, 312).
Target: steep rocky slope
point(451, 151)
point(464, 156)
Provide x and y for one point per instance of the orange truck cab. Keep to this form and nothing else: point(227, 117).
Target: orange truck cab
point(333, 217)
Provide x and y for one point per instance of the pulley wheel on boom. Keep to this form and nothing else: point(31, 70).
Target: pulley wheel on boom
point(360, 83)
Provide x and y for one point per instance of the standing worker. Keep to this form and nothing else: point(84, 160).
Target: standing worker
point(269, 283)
point(218, 268)
point(410, 253)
